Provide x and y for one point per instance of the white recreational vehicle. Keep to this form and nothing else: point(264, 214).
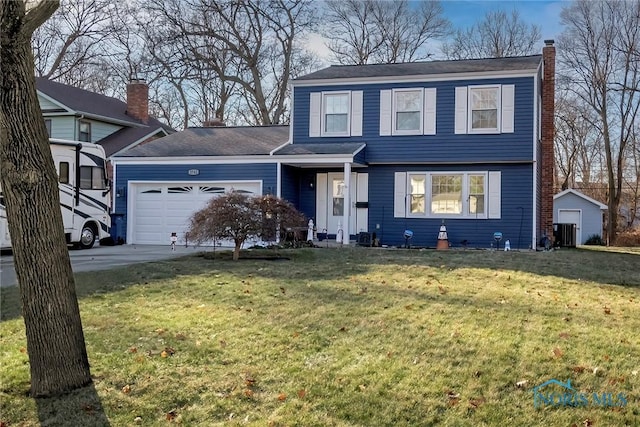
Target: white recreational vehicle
point(84, 189)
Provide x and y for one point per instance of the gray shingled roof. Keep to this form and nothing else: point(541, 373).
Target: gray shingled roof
point(349, 148)
point(425, 68)
point(128, 135)
point(84, 101)
point(214, 141)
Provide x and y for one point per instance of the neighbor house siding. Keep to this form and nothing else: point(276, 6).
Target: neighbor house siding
point(62, 127)
point(101, 130)
point(45, 105)
point(207, 172)
point(516, 210)
point(445, 145)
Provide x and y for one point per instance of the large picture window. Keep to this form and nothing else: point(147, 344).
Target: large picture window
point(444, 194)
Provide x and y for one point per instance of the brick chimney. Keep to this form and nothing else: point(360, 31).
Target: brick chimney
point(138, 100)
point(548, 132)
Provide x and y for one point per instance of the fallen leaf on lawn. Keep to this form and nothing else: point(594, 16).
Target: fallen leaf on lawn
point(282, 397)
point(564, 335)
point(133, 350)
point(453, 395)
point(302, 393)
point(126, 389)
point(23, 350)
point(249, 381)
point(296, 334)
point(607, 310)
point(578, 369)
point(408, 307)
point(282, 290)
point(614, 381)
point(587, 423)
point(248, 393)
point(160, 331)
point(137, 420)
point(164, 353)
point(343, 329)
point(557, 352)
point(223, 343)
point(362, 387)
point(442, 289)
point(181, 337)
point(475, 403)
point(634, 373)
point(566, 319)
point(521, 383)
point(171, 415)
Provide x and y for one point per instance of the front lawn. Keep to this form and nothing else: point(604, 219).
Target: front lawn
point(349, 337)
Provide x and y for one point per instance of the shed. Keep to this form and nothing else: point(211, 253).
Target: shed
point(573, 207)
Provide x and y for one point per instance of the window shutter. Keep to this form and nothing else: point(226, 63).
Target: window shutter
point(494, 195)
point(400, 195)
point(385, 112)
point(321, 201)
point(461, 110)
point(314, 114)
point(430, 111)
point(508, 92)
point(356, 113)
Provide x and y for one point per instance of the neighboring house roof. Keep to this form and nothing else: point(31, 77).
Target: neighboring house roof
point(322, 148)
point(214, 141)
point(104, 108)
point(602, 206)
point(426, 68)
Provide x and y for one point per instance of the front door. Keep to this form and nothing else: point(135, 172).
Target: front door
point(330, 206)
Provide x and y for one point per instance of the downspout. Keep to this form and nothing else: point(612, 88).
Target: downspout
point(77, 183)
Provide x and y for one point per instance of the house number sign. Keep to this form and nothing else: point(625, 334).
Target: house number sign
point(194, 172)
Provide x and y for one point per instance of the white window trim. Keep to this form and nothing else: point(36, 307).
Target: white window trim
point(323, 113)
point(495, 130)
point(394, 110)
point(465, 195)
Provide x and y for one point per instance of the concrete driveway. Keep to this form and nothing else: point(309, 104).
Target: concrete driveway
point(102, 258)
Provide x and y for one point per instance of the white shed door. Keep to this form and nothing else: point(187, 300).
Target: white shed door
point(572, 216)
point(159, 209)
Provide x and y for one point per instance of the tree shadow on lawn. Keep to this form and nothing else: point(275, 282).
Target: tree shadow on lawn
point(80, 407)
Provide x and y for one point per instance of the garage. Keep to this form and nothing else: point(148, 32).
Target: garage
point(157, 209)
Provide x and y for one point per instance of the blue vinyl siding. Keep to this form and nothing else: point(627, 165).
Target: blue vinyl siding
point(516, 207)
point(217, 172)
point(445, 146)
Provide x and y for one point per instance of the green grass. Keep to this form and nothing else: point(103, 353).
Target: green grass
point(346, 337)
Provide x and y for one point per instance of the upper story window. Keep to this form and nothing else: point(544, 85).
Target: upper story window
point(84, 131)
point(447, 195)
point(47, 124)
point(410, 111)
point(407, 111)
point(335, 113)
point(484, 109)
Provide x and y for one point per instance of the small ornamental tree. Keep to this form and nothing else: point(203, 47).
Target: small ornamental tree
point(238, 217)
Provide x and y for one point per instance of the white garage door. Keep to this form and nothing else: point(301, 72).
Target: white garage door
point(159, 209)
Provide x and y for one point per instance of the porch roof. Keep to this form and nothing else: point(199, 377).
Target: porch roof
point(328, 154)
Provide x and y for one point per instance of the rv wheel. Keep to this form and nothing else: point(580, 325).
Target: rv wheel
point(87, 237)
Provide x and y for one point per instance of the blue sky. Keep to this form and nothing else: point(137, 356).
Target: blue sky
point(464, 13)
point(544, 13)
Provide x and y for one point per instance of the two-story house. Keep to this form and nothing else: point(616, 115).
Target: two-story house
point(381, 149)
point(76, 114)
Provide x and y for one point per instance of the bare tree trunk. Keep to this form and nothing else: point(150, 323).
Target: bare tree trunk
point(55, 341)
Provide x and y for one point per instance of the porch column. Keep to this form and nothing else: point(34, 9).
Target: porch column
point(347, 203)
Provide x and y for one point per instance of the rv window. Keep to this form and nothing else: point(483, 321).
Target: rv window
point(64, 172)
point(92, 178)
